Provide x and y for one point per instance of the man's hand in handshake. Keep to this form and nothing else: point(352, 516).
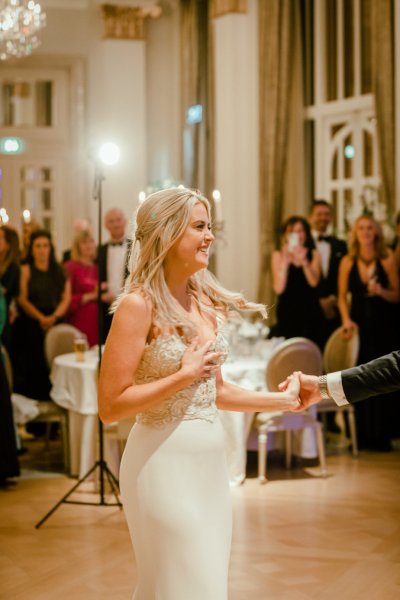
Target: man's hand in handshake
point(309, 390)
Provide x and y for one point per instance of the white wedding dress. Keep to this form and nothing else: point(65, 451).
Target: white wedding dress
point(174, 486)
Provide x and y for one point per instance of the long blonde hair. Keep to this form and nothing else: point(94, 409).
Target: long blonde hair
point(380, 247)
point(160, 221)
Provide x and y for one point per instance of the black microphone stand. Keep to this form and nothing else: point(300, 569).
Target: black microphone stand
point(100, 464)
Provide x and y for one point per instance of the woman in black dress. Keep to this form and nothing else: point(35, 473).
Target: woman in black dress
point(43, 301)
point(296, 271)
point(369, 273)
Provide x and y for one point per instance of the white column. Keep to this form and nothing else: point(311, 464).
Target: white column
point(118, 105)
point(236, 168)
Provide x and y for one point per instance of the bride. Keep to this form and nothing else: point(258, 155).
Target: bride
point(162, 363)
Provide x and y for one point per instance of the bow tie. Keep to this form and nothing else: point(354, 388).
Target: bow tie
point(324, 238)
point(117, 243)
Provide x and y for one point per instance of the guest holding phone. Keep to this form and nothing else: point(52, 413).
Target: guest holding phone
point(296, 272)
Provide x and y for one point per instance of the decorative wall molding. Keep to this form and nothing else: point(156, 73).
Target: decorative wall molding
point(127, 22)
point(225, 7)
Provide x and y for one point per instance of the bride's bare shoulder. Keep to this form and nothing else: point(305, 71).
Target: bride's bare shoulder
point(137, 303)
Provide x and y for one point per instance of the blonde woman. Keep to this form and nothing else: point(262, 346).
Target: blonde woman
point(84, 276)
point(161, 363)
point(368, 273)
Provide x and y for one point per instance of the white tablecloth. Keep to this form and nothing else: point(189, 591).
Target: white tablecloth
point(75, 388)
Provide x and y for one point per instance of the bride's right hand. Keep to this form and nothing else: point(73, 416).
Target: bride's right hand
point(198, 362)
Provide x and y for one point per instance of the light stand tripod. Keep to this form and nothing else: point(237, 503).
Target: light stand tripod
point(100, 464)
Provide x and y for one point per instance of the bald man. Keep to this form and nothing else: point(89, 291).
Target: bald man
point(112, 258)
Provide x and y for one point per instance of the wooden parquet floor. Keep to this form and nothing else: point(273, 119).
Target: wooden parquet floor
point(295, 538)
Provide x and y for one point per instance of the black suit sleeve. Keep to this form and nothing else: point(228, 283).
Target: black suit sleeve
point(380, 376)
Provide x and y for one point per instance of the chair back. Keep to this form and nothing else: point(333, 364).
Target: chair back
point(341, 353)
point(60, 340)
point(294, 354)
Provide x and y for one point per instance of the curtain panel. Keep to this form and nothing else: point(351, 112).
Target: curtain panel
point(382, 47)
point(197, 77)
point(277, 36)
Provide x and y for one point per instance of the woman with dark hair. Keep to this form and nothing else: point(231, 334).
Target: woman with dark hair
point(296, 270)
point(43, 301)
point(9, 276)
point(368, 272)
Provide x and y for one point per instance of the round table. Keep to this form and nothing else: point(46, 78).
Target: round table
point(74, 387)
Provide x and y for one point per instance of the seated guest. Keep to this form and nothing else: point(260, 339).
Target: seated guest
point(296, 270)
point(43, 301)
point(84, 278)
point(9, 276)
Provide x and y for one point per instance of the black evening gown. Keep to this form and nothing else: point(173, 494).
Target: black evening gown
point(31, 373)
point(298, 310)
point(376, 418)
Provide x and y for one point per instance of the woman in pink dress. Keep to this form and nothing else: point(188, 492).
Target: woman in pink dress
point(83, 273)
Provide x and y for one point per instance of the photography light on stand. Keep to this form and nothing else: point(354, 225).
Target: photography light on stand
point(107, 155)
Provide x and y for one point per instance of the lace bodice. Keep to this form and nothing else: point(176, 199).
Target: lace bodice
point(161, 358)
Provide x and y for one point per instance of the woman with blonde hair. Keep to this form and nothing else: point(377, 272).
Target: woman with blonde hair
point(84, 276)
point(162, 363)
point(368, 273)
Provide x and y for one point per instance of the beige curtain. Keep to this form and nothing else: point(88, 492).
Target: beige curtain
point(382, 48)
point(197, 88)
point(278, 21)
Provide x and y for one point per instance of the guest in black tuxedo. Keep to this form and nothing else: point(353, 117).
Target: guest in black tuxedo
point(331, 250)
point(113, 262)
point(379, 376)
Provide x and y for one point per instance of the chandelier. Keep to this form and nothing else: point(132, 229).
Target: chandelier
point(20, 21)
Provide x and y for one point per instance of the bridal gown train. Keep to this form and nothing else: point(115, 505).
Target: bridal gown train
point(175, 488)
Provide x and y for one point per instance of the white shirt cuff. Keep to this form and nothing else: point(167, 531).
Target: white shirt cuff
point(335, 388)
